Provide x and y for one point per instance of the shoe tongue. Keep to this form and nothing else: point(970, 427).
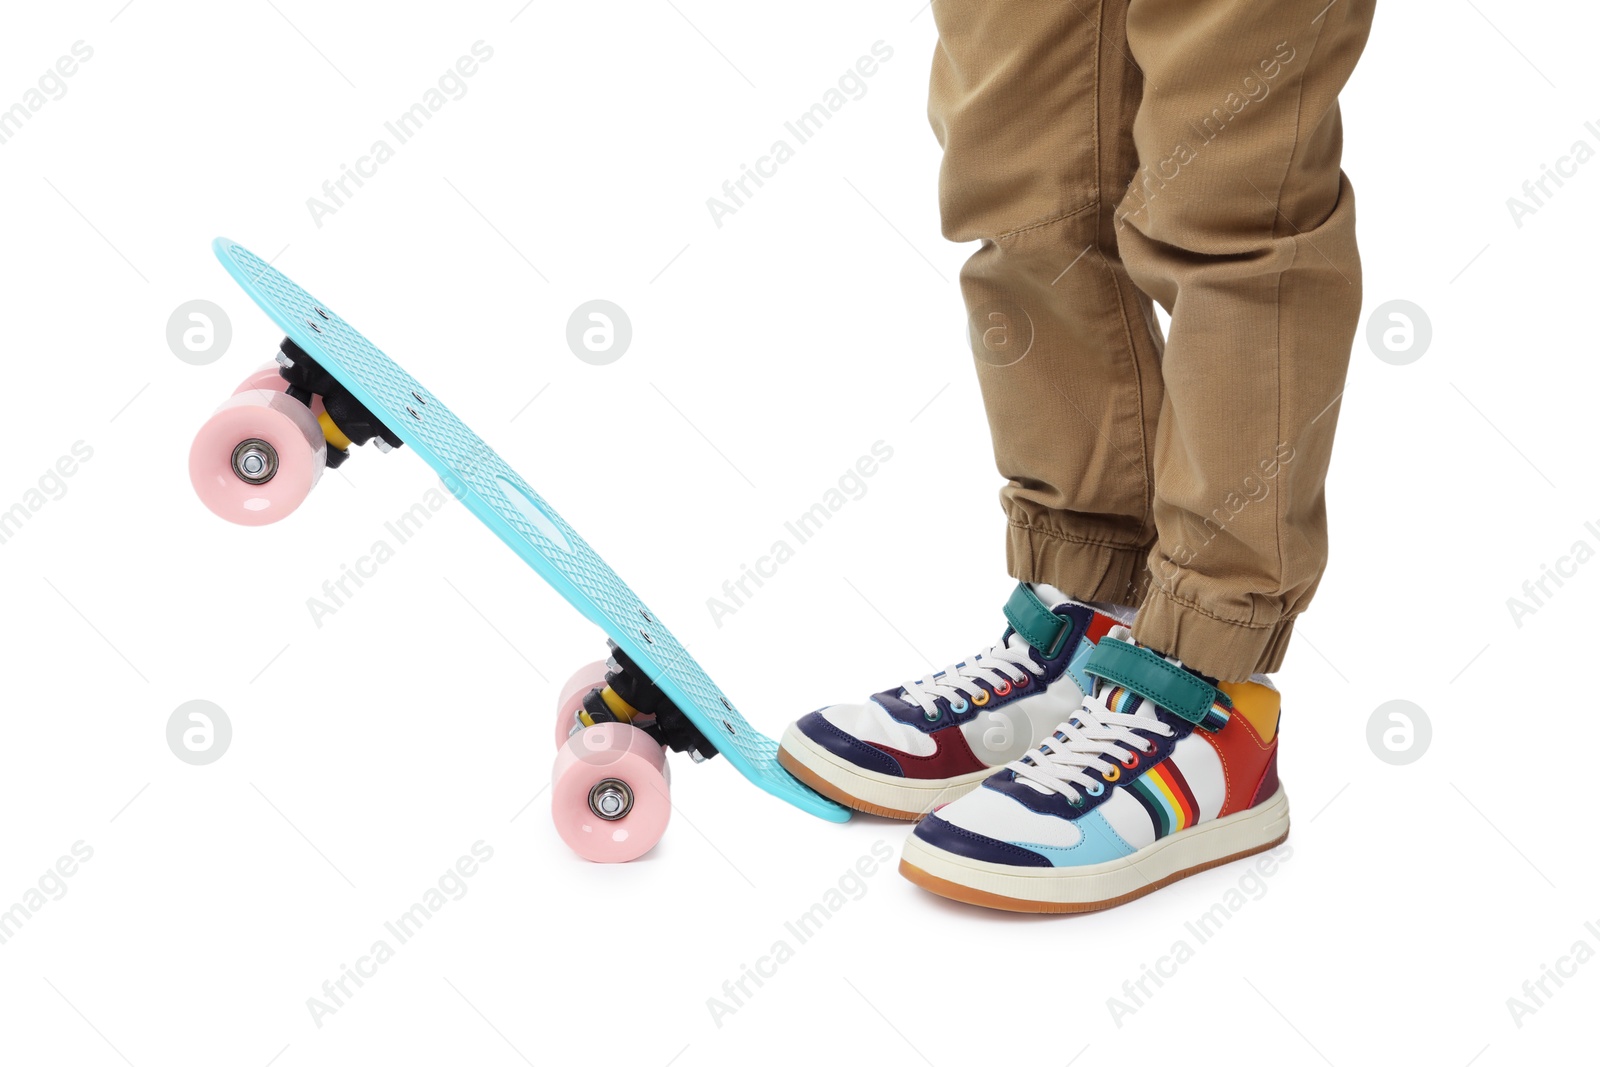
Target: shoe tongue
point(1053, 598)
point(1123, 701)
point(1015, 641)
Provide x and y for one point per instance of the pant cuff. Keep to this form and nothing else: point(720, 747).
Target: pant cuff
point(1228, 651)
point(1084, 570)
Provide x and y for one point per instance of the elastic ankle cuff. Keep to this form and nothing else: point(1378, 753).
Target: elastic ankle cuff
point(1084, 570)
point(1228, 651)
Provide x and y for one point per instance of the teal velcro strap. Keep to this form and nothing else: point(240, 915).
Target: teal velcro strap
point(1142, 671)
point(1038, 625)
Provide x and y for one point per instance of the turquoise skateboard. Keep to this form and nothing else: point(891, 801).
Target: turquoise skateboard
point(330, 390)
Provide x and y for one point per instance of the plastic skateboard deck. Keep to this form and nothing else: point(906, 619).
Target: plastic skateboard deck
point(506, 504)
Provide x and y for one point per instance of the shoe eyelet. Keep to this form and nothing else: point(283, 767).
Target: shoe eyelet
point(1095, 789)
point(1075, 802)
point(1132, 761)
point(981, 699)
point(1112, 775)
point(1149, 748)
point(1002, 689)
point(1023, 682)
point(957, 709)
point(931, 716)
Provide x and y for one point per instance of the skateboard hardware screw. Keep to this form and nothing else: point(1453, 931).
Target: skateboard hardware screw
point(314, 326)
point(421, 401)
point(728, 726)
point(383, 446)
point(255, 461)
point(647, 638)
point(645, 615)
point(611, 799)
point(283, 360)
point(319, 311)
point(726, 705)
point(414, 414)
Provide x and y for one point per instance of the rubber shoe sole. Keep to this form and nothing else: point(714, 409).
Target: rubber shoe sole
point(1063, 890)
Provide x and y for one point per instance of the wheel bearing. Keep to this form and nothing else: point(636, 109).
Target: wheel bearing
point(255, 461)
point(611, 799)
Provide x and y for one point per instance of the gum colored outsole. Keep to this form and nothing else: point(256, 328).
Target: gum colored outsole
point(835, 794)
point(967, 895)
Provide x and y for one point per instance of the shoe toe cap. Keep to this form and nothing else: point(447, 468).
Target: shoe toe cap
point(819, 728)
point(958, 840)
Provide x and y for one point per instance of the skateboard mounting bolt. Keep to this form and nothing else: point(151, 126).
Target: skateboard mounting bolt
point(314, 326)
point(726, 705)
point(319, 311)
point(421, 401)
point(647, 638)
point(284, 360)
point(383, 446)
point(610, 799)
point(413, 412)
point(645, 615)
point(255, 461)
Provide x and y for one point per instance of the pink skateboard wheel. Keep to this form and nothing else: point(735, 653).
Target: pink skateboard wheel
point(589, 677)
point(266, 376)
point(257, 457)
point(609, 795)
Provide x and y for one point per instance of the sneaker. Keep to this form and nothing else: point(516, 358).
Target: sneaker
point(1160, 774)
point(907, 750)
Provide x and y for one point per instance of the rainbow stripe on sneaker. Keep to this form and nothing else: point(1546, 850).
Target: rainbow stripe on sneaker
point(1219, 714)
point(1165, 795)
point(1123, 701)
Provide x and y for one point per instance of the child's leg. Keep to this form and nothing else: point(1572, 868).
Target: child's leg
point(1033, 101)
point(1242, 225)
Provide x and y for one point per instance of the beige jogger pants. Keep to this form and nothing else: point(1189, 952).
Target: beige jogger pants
point(1107, 152)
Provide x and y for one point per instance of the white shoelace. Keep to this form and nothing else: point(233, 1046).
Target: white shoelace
point(1001, 666)
point(1091, 740)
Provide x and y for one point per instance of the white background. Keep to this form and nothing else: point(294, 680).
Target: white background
point(768, 355)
